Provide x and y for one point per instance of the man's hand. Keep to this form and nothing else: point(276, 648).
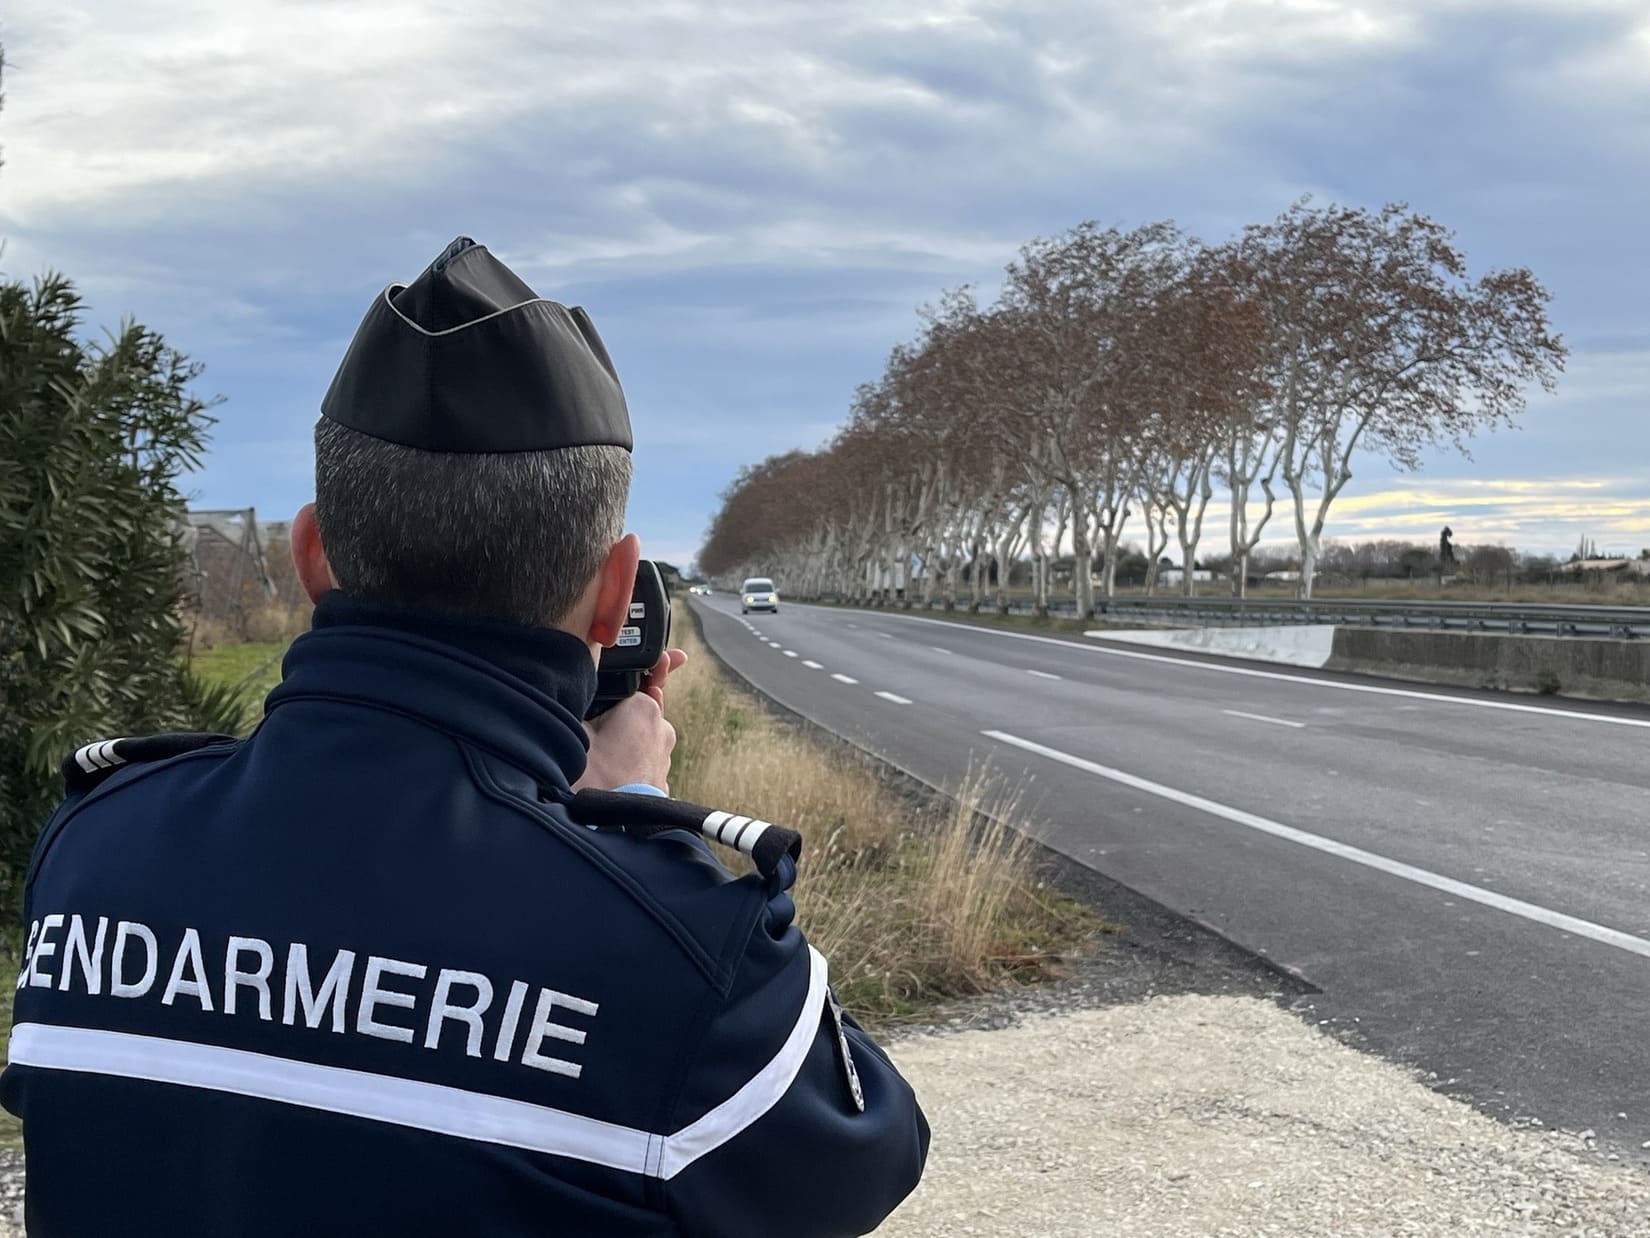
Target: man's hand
point(632, 742)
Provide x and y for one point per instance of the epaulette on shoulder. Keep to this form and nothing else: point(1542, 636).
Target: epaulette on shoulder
point(768, 845)
point(90, 764)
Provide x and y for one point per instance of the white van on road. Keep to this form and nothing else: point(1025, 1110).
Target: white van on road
point(758, 593)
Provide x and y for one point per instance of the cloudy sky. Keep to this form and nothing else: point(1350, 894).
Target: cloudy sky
point(753, 198)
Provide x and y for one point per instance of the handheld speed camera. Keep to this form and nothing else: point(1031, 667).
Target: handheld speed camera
point(641, 642)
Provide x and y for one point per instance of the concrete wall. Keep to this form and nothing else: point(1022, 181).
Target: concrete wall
point(1295, 644)
point(1567, 665)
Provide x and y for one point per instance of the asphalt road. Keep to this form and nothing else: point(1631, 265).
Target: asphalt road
point(1466, 875)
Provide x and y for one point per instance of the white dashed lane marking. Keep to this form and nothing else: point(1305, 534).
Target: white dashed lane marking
point(812, 666)
point(843, 678)
point(1043, 674)
point(898, 700)
point(790, 653)
point(1238, 713)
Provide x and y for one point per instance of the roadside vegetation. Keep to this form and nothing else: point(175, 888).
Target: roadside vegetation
point(1135, 375)
point(249, 670)
point(911, 902)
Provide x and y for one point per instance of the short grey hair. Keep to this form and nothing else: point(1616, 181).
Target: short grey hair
point(508, 535)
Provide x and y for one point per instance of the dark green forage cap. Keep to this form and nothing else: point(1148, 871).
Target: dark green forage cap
point(468, 358)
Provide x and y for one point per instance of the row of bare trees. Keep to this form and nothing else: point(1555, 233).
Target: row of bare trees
point(1138, 374)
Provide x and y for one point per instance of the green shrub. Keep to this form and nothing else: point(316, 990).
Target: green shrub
point(93, 439)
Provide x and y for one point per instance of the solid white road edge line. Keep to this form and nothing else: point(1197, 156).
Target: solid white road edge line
point(843, 678)
point(1219, 669)
point(898, 700)
point(1238, 713)
point(1396, 868)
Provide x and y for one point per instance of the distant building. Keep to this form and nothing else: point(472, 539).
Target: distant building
point(1171, 576)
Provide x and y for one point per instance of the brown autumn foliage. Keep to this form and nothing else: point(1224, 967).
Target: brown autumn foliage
point(1127, 373)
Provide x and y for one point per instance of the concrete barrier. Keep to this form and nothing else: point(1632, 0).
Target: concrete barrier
point(1566, 665)
point(1298, 644)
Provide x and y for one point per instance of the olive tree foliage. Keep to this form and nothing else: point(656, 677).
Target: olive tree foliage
point(93, 439)
point(1130, 376)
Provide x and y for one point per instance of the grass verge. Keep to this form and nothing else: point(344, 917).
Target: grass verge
point(912, 904)
point(250, 668)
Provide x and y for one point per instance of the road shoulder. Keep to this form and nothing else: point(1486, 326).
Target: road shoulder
point(1198, 1115)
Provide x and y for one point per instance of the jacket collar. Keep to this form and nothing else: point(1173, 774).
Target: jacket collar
point(519, 691)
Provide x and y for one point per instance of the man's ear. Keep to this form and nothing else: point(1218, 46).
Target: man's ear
point(308, 555)
point(614, 584)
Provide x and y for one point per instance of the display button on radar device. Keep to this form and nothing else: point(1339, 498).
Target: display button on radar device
point(641, 642)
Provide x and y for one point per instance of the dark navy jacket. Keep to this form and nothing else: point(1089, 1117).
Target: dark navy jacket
point(362, 974)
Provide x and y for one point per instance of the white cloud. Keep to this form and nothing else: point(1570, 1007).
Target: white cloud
point(245, 176)
point(652, 134)
point(111, 99)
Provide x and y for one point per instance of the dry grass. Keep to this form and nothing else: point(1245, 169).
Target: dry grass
point(910, 903)
point(275, 622)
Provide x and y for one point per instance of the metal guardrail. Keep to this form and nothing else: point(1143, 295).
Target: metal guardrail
point(1511, 617)
point(1622, 623)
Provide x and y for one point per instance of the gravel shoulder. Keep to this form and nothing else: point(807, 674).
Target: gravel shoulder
point(1175, 1085)
point(1226, 1115)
